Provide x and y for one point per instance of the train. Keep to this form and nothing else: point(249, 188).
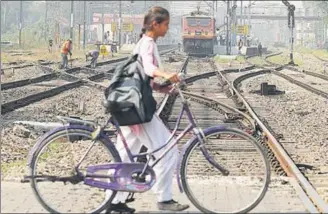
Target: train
point(198, 33)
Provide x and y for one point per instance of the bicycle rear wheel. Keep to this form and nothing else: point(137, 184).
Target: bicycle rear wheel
point(239, 153)
point(58, 155)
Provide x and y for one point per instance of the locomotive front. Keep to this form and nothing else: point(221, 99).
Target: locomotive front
point(198, 34)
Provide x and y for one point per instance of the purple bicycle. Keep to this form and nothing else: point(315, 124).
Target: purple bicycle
point(216, 164)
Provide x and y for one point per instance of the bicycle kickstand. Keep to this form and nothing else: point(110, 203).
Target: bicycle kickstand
point(130, 198)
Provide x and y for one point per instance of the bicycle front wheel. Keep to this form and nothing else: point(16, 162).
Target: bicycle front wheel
point(203, 179)
point(58, 155)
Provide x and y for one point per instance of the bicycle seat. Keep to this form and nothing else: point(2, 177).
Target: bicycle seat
point(77, 120)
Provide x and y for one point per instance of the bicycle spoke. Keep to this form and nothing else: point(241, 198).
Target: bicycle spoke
point(226, 174)
point(59, 171)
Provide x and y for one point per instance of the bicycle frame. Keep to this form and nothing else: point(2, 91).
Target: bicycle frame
point(197, 132)
point(192, 126)
point(98, 132)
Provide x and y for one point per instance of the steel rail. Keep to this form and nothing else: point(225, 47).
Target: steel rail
point(18, 103)
point(284, 159)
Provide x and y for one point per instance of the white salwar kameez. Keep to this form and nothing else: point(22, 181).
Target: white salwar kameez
point(153, 135)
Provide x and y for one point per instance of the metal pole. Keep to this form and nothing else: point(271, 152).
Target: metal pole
point(79, 37)
point(244, 23)
point(84, 23)
point(234, 23)
point(20, 23)
point(120, 25)
point(249, 18)
point(103, 24)
point(302, 32)
point(45, 22)
point(241, 12)
point(4, 15)
point(228, 39)
point(291, 46)
point(72, 20)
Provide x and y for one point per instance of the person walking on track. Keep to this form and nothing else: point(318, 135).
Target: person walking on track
point(153, 134)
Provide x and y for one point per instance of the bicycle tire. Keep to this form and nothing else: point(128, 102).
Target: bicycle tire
point(219, 130)
point(86, 132)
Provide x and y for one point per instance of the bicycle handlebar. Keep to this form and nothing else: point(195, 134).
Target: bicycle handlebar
point(168, 82)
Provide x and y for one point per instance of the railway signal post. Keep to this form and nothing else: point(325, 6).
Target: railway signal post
point(291, 25)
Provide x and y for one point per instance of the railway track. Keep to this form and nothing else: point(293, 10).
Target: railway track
point(307, 165)
point(216, 98)
point(215, 102)
point(24, 92)
point(314, 186)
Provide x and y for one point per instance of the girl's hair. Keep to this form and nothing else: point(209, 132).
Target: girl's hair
point(158, 14)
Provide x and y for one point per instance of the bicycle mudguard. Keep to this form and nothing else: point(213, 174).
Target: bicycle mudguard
point(53, 131)
point(189, 143)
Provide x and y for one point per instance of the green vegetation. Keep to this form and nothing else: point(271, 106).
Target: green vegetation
point(321, 54)
point(303, 50)
point(7, 167)
point(284, 59)
point(278, 59)
point(239, 59)
point(298, 61)
point(257, 60)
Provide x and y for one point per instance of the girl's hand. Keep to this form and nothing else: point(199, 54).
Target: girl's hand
point(165, 90)
point(173, 77)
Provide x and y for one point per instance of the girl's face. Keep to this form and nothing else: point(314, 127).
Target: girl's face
point(162, 28)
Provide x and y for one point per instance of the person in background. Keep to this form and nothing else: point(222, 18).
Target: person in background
point(105, 37)
point(240, 45)
point(94, 56)
point(65, 50)
point(50, 45)
point(108, 37)
point(259, 49)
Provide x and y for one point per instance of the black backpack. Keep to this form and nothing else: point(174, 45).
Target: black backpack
point(129, 97)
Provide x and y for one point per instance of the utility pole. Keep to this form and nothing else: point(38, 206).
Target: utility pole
point(234, 23)
point(249, 17)
point(291, 25)
point(45, 22)
point(228, 36)
point(244, 24)
point(84, 22)
point(72, 19)
point(241, 12)
point(20, 23)
point(120, 25)
point(103, 22)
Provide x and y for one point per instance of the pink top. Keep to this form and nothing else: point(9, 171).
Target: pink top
point(149, 62)
point(146, 51)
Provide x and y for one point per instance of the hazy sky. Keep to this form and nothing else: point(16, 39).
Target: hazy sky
point(298, 4)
